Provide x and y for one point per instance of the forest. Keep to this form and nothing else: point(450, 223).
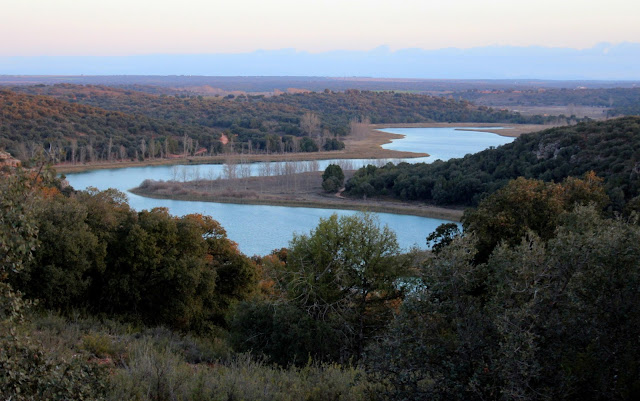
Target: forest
point(200, 85)
point(80, 133)
point(618, 101)
point(609, 148)
point(80, 124)
point(536, 300)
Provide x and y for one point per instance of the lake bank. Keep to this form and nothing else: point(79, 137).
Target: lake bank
point(355, 148)
point(299, 190)
point(264, 223)
point(509, 130)
point(368, 147)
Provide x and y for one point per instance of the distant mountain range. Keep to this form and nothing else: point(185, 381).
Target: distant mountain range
point(601, 62)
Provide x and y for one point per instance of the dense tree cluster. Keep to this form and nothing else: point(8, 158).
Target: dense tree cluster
point(614, 98)
point(121, 123)
point(536, 300)
point(609, 148)
point(80, 133)
point(338, 108)
point(95, 252)
point(333, 292)
point(547, 312)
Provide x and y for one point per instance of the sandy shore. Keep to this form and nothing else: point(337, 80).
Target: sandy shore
point(368, 147)
point(510, 130)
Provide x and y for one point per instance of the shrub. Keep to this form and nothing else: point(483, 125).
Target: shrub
point(332, 178)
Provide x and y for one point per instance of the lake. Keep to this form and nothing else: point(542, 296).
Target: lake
point(258, 229)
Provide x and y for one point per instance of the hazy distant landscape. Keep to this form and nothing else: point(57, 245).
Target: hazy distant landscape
point(600, 62)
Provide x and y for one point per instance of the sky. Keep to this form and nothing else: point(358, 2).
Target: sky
point(137, 27)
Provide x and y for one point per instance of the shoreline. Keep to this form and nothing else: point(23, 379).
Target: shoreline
point(368, 147)
point(374, 205)
point(509, 130)
point(355, 148)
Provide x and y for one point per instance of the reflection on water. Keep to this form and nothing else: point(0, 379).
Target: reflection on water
point(258, 229)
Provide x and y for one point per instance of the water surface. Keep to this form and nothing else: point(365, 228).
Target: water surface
point(444, 143)
point(258, 229)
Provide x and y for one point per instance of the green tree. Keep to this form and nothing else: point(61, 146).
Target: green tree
point(18, 227)
point(69, 255)
point(332, 178)
point(27, 372)
point(542, 319)
point(283, 333)
point(443, 235)
point(95, 252)
point(348, 271)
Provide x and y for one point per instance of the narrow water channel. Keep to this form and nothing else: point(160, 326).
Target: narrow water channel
point(258, 229)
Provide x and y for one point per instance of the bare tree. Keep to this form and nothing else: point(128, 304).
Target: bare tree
point(345, 164)
point(109, 146)
point(174, 173)
point(359, 127)
point(74, 149)
point(295, 143)
point(184, 145)
point(62, 154)
point(91, 153)
point(22, 152)
point(310, 124)
point(230, 169)
point(184, 173)
point(195, 174)
point(143, 147)
point(244, 170)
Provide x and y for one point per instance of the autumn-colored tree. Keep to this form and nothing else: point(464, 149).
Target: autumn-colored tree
point(529, 205)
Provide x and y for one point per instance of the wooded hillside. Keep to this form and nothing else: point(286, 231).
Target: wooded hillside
point(304, 122)
point(619, 101)
point(610, 148)
point(76, 132)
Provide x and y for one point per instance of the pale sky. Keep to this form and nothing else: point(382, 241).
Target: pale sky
point(128, 27)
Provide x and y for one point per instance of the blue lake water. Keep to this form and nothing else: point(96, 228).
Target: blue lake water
point(258, 229)
point(443, 143)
